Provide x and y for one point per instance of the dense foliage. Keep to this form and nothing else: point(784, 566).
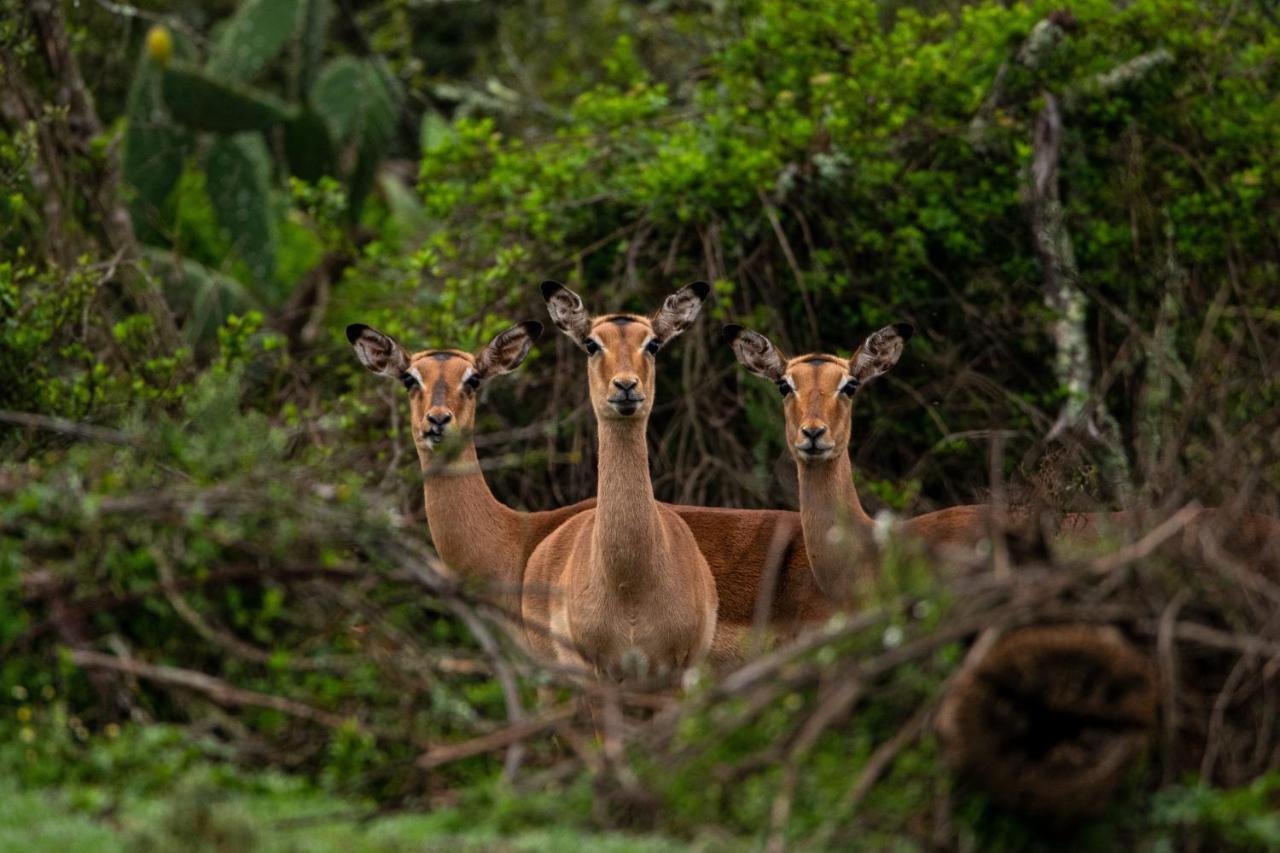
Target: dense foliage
point(239, 498)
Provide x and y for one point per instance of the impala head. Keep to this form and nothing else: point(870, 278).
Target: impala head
point(818, 389)
point(621, 348)
point(442, 383)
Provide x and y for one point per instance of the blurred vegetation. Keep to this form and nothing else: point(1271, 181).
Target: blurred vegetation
point(240, 500)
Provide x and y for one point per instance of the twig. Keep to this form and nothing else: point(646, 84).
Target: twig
point(1156, 537)
point(1213, 740)
point(507, 737)
point(224, 639)
point(63, 426)
point(215, 689)
point(1169, 679)
point(875, 767)
point(838, 703)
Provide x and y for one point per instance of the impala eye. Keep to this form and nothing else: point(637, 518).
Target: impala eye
point(591, 346)
point(472, 382)
point(850, 388)
point(784, 386)
point(410, 382)
point(653, 346)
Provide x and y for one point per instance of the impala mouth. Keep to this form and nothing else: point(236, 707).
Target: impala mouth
point(433, 436)
point(812, 450)
point(626, 404)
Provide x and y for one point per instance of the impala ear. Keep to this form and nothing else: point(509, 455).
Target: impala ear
point(378, 351)
point(567, 311)
point(679, 310)
point(880, 352)
point(756, 353)
point(507, 349)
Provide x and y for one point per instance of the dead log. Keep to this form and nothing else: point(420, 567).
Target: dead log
point(1049, 719)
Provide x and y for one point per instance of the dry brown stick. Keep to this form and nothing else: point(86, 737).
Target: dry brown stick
point(1218, 557)
point(1168, 657)
point(505, 737)
point(1154, 538)
point(840, 700)
point(780, 811)
point(1217, 717)
point(879, 761)
point(762, 667)
point(999, 514)
point(434, 578)
point(215, 689)
point(790, 256)
point(223, 639)
point(1214, 638)
point(88, 432)
point(84, 607)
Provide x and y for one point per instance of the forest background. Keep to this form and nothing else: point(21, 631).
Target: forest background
point(1076, 205)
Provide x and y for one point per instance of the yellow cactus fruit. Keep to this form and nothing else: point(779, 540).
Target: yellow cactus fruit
point(159, 45)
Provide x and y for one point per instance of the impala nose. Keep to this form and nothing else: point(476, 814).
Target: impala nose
point(437, 420)
point(626, 398)
point(811, 444)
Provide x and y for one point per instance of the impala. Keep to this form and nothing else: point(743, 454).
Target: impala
point(623, 586)
point(818, 390)
point(757, 556)
point(476, 535)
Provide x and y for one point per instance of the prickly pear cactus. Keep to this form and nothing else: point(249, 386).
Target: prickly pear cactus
point(252, 37)
point(239, 185)
point(339, 120)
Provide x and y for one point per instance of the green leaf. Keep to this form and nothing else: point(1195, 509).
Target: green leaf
point(338, 95)
point(359, 101)
point(434, 131)
point(239, 169)
point(203, 298)
point(308, 147)
point(407, 216)
point(202, 103)
point(316, 15)
point(154, 150)
point(253, 36)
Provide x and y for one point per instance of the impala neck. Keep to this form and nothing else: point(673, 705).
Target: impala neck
point(475, 534)
point(627, 528)
point(837, 530)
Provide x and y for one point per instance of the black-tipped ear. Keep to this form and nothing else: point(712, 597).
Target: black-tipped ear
point(679, 310)
point(730, 333)
point(880, 352)
point(756, 353)
point(507, 349)
point(377, 351)
point(567, 311)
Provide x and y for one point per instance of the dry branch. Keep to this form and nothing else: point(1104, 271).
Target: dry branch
point(503, 738)
point(215, 689)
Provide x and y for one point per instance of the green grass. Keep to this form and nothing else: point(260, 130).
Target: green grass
point(197, 816)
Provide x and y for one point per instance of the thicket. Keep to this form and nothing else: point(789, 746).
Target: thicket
point(199, 477)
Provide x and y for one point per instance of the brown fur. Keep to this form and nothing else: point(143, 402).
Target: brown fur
point(623, 586)
point(818, 409)
point(757, 557)
point(829, 499)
